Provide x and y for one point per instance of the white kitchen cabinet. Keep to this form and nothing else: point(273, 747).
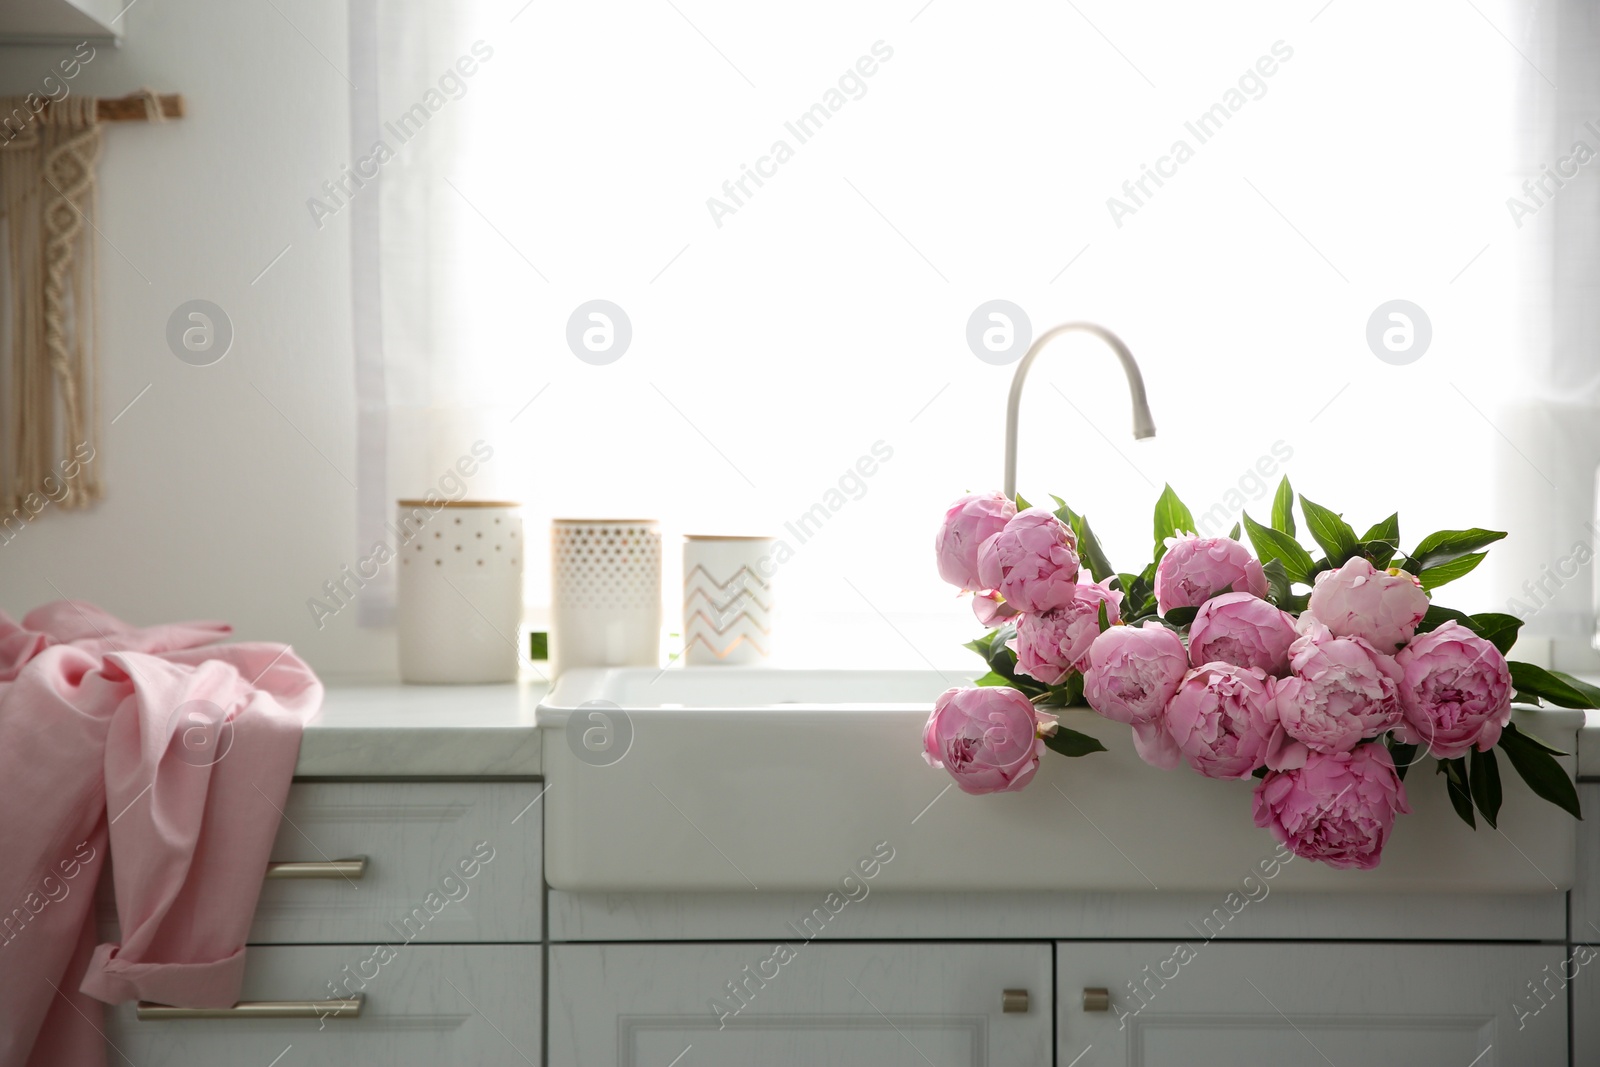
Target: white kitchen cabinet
point(1367, 1005)
point(888, 1005)
point(429, 1005)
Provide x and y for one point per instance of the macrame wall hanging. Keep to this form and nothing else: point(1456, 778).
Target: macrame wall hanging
point(49, 394)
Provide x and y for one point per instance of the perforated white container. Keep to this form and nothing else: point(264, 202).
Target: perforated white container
point(460, 591)
point(606, 593)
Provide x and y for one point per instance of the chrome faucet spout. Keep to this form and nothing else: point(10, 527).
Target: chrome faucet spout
point(1143, 425)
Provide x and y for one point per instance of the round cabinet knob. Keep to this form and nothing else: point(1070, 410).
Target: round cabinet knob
point(1014, 1001)
point(1096, 999)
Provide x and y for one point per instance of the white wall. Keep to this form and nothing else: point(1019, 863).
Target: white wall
point(216, 505)
point(221, 506)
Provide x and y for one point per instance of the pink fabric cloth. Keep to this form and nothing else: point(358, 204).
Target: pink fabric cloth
point(173, 757)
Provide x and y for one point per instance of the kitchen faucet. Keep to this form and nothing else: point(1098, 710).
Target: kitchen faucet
point(1143, 425)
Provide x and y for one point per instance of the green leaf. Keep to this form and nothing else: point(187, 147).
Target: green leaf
point(1277, 579)
point(1105, 622)
point(1003, 662)
point(992, 679)
point(1533, 739)
point(1181, 616)
point(1138, 595)
point(1279, 589)
point(1283, 508)
point(1540, 770)
point(1434, 577)
point(1072, 743)
point(1485, 785)
point(1233, 534)
point(1455, 774)
point(1446, 545)
point(1378, 553)
point(1022, 504)
point(1380, 544)
point(983, 645)
point(1273, 544)
point(1329, 531)
point(1387, 530)
point(1089, 549)
point(1171, 518)
point(1497, 628)
point(1066, 692)
point(1562, 690)
point(1437, 615)
point(1403, 755)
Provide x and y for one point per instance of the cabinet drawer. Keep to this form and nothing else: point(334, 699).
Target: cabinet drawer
point(889, 1005)
point(428, 1005)
point(445, 862)
point(1199, 1003)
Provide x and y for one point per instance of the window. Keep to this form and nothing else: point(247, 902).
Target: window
point(799, 209)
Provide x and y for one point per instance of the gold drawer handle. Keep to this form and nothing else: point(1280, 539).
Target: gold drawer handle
point(260, 1009)
point(349, 869)
point(1096, 998)
point(1014, 1001)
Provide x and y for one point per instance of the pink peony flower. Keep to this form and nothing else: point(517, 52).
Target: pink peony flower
point(970, 522)
point(1195, 567)
point(1132, 674)
point(1244, 630)
point(1222, 719)
point(1358, 600)
point(1342, 691)
point(990, 609)
point(1033, 562)
point(987, 738)
point(1050, 644)
point(1455, 691)
point(1338, 809)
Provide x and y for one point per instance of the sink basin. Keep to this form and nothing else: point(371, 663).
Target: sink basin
point(726, 778)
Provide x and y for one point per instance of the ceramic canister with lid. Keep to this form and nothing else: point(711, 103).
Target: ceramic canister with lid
point(727, 599)
point(460, 590)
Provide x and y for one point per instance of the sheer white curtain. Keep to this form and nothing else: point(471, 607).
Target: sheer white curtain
point(1553, 414)
point(794, 309)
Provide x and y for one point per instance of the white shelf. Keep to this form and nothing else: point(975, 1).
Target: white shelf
point(54, 22)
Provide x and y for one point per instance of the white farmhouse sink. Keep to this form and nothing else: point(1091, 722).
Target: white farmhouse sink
point(741, 779)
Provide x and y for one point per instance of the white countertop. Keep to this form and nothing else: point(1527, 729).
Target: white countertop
point(424, 730)
point(470, 730)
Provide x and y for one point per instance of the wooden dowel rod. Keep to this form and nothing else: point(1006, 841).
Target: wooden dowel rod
point(132, 108)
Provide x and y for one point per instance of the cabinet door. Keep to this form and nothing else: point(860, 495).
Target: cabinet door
point(1585, 897)
point(1368, 1005)
point(1583, 963)
point(883, 1005)
point(429, 1005)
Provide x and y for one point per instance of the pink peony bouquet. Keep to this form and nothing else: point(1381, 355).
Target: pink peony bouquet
point(1321, 678)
